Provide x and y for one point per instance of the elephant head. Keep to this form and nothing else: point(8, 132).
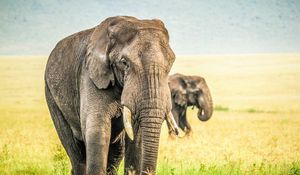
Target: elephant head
point(135, 58)
point(198, 95)
point(190, 91)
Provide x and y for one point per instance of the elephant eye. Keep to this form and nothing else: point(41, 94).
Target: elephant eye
point(124, 62)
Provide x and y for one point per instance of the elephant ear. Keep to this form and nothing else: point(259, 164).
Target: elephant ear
point(111, 31)
point(178, 89)
point(97, 62)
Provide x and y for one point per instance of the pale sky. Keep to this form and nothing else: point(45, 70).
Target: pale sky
point(196, 27)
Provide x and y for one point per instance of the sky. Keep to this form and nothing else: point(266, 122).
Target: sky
point(196, 27)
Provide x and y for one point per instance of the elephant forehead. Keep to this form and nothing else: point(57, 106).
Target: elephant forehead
point(150, 24)
point(134, 24)
point(144, 52)
point(194, 91)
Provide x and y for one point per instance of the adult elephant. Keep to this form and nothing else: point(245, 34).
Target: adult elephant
point(189, 91)
point(123, 63)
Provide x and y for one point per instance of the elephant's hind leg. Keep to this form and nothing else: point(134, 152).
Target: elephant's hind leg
point(74, 148)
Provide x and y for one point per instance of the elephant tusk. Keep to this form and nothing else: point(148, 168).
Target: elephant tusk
point(172, 123)
point(180, 135)
point(127, 122)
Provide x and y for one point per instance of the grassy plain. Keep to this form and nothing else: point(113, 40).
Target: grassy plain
point(255, 128)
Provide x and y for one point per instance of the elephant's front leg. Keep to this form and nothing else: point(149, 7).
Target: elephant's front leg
point(97, 135)
point(184, 124)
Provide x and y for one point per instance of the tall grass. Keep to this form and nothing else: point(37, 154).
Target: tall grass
point(254, 129)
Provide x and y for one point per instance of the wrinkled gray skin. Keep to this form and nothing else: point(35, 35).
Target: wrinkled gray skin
point(90, 75)
point(189, 91)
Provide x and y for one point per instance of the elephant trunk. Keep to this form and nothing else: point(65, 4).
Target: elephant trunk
point(205, 105)
point(153, 109)
point(152, 104)
point(151, 121)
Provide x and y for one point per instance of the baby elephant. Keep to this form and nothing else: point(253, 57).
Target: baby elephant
point(189, 91)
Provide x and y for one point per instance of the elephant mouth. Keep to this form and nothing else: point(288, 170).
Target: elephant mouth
point(200, 109)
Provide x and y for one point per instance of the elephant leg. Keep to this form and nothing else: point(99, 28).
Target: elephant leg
point(116, 154)
point(117, 145)
point(74, 148)
point(183, 123)
point(188, 129)
point(97, 135)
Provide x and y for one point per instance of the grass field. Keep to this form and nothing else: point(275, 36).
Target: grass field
point(255, 128)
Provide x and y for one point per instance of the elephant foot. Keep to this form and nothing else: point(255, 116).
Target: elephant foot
point(172, 135)
point(188, 132)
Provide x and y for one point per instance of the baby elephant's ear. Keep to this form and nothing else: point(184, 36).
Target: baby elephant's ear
point(97, 62)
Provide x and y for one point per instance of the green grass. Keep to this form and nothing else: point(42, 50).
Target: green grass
point(254, 129)
point(230, 168)
point(221, 108)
